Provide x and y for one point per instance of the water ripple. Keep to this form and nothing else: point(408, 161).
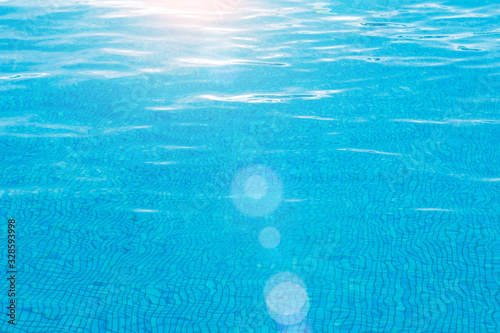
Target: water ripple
point(369, 151)
point(230, 62)
point(272, 98)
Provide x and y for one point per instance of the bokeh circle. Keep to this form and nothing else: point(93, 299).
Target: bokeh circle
point(286, 298)
point(256, 190)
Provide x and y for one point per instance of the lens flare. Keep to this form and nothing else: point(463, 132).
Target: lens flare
point(255, 187)
point(286, 298)
point(269, 237)
point(256, 190)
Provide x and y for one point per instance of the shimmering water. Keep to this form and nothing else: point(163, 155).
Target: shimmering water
point(244, 166)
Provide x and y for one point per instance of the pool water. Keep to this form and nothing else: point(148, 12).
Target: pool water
point(246, 166)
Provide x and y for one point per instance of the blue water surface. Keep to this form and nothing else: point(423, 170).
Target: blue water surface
point(246, 166)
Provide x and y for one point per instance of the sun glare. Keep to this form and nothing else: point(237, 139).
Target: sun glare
point(201, 9)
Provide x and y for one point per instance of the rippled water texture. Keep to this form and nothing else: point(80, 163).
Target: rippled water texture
point(244, 166)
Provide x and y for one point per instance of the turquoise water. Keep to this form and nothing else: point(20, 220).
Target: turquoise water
point(244, 166)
